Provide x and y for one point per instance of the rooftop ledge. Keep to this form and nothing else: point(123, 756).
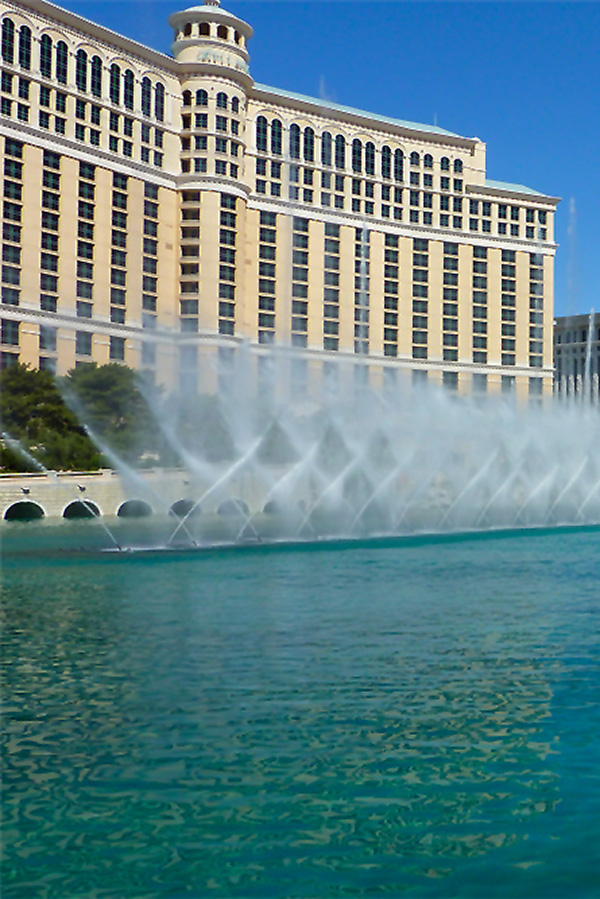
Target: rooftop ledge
point(505, 188)
point(263, 91)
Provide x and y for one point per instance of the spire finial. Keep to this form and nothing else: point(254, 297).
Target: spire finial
point(212, 2)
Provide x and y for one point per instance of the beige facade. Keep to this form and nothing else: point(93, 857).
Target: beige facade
point(160, 211)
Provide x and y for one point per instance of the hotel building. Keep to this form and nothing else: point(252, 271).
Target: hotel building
point(577, 357)
point(162, 210)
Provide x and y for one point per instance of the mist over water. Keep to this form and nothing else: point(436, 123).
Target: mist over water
point(280, 454)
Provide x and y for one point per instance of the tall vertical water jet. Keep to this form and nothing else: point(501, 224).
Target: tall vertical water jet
point(588, 382)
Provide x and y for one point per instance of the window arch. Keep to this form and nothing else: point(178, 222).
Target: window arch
point(370, 158)
point(398, 165)
point(261, 134)
point(45, 55)
point(115, 83)
point(81, 70)
point(95, 76)
point(356, 155)
point(62, 62)
point(445, 164)
point(223, 32)
point(326, 144)
point(25, 47)
point(237, 37)
point(222, 101)
point(428, 161)
point(128, 82)
point(340, 151)
point(159, 102)
point(8, 40)
point(458, 166)
point(201, 98)
point(386, 162)
point(235, 104)
point(415, 159)
point(187, 29)
point(187, 98)
point(146, 96)
point(295, 142)
point(309, 145)
point(276, 137)
point(204, 29)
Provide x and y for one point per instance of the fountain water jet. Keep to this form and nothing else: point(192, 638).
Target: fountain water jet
point(367, 463)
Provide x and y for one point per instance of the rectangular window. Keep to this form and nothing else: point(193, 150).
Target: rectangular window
point(117, 348)
point(83, 343)
point(10, 332)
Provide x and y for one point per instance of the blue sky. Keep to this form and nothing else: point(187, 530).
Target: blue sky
point(522, 76)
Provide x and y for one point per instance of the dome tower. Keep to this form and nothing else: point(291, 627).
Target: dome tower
point(210, 47)
point(210, 50)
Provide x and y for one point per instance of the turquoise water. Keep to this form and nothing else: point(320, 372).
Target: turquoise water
point(411, 718)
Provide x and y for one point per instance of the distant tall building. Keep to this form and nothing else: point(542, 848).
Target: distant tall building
point(157, 210)
point(577, 356)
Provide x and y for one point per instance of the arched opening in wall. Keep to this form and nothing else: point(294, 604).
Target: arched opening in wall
point(24, 510)
point(233, 507)
point(184, 507)
point(79, 509)
point(187, 29)
point(134, 508)
point(223, 32)
point(237, 37)
point(187, 98)
point(204, 29)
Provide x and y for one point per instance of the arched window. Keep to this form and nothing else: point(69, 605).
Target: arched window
point(261, 134)
point(370, 158)
point(204, 29)
point(222, 32)
point(159, 102)
point(25, 47)
point(340, 152)
point(415, 159)
point(309, 145)
point(445, 164)
point(235, 104)
point(398, 165)
point(326, 144)
point(356, 155)
point(62, 62)
point(45, 55)
point(128, 89)
point(276, 137)
point(187, 98)
point(428, 161)
point(201, 98)
point(222, 102)
point(295, 142)
point(146, 96)
point(386, 162)
point(115, 83)
point(8, 41)
point(236, 37)
point(458, 166)
point(187, 29)
point(96, 76)
point(81, 66)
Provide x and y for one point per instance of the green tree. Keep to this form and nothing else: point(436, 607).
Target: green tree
point(108, 399)
point(34, 415)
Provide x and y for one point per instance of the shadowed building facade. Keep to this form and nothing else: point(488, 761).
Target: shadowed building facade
point(577, 357)
point(163, 210)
